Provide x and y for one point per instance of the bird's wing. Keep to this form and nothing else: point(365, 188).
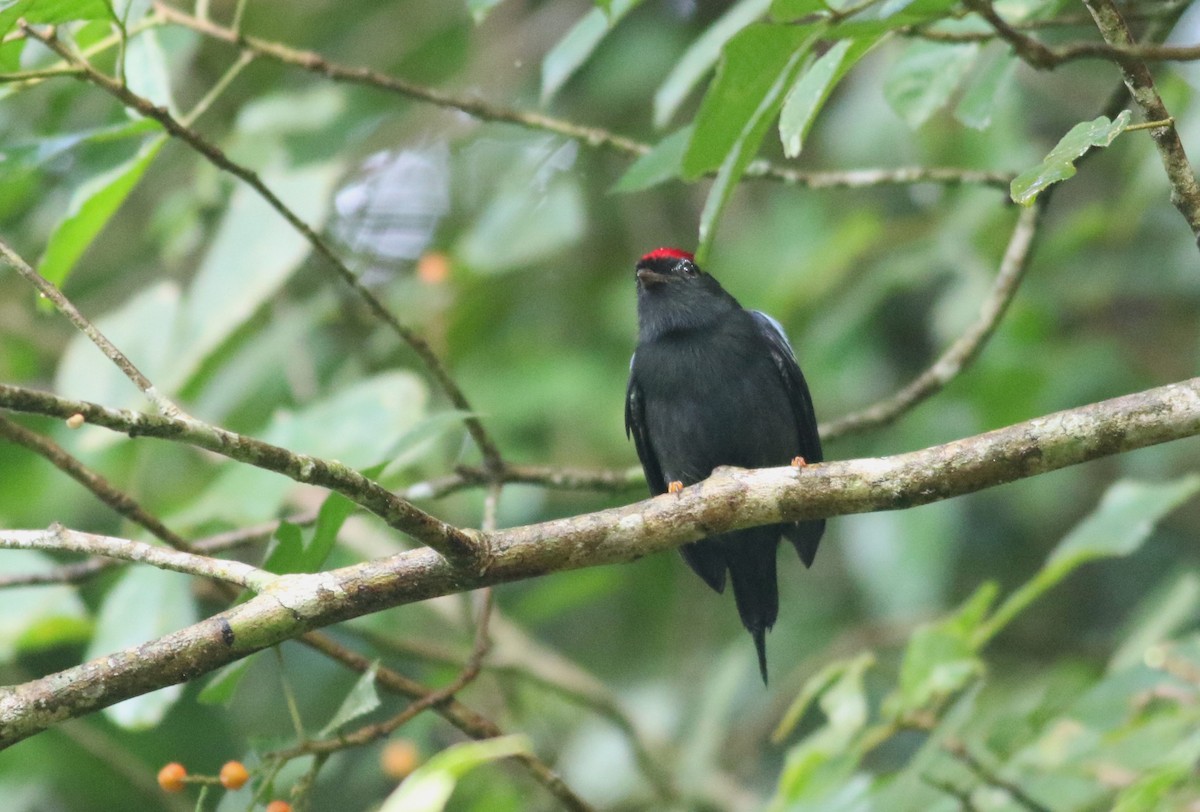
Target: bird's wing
point(793, 381)
point(804, 536)
point(635, 426)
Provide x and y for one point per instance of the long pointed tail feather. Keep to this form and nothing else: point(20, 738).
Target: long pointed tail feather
point(752, 573)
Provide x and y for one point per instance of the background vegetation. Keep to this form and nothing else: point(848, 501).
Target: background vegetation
point(1029, 647)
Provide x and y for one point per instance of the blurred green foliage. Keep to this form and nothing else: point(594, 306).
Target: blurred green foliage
point(1032, 646)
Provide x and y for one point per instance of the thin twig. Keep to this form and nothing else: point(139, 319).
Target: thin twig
point(468, 721)
point(596, 137)
point(965, 348)
point(218, 158)
point(219, 87)
point(458, 715)
point(959, 794)
point(121, 502)
point(1185, 192)
point(1029, 49)
point(960, 751)
point(60, 538)
point(467, 674)
point(451, 542)
point(63, 305)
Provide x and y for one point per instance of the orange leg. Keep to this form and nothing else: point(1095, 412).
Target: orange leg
point(674, 487)
point(799, 462)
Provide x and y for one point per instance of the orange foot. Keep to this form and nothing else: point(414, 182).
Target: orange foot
point(799, 462)
point(674, 487)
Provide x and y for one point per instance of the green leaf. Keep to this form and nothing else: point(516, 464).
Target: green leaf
point(926, 75)
point(792, 43)
point(788, 10)
point(1164, 613)
point(361, 700)
point(661, 164)
point(812, 89)
point(330, 518)
point(51, 11)
point(286, 551)
point(814, 686)
point(145, 604)
point(143, 326)
point(417, 442)
point(906, 12)
point(1125, 517)
point(253, 252)
point(824, 760)
point(92, 205)
point(940, 659)
point(10, 55)
point(1060, 163)
point(146, 71)
point(223, 685)
point(429, 787)
point(480, 9)
point(355, 425)
point(577, 45)
point(295, 550)
point(36, 617)
point(744, 92)
point(975, 107)
point(700, 57)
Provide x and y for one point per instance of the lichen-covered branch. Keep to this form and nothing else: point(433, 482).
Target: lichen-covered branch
point(730, 499)
point(62, 539)
point(1185, 192)
point(448, 540)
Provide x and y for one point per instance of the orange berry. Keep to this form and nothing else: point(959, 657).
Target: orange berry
point(433, 267)
point(234, 775)
point(279, 806)
point(170, 777)
point(399, 758)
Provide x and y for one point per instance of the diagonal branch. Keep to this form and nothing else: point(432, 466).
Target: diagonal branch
point(450, 542)
point(730, 499)
point(60, 538)
point(1185, 192)
point(64, 306)
point(468, 721)
point(218, 158)
point(964, 349)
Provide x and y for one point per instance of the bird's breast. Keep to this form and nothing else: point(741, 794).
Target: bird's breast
point(711, 402)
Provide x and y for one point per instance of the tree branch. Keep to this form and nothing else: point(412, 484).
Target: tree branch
point(964, 349)
point(60, 538)
point(1185, 192)
point(728, 500)
point(218, 158)
point(64, 306)
point(455, 544)
point(596, 137)
point(468, 721)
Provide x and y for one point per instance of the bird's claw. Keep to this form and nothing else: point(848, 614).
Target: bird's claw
point(799, 462)
point(675, 487)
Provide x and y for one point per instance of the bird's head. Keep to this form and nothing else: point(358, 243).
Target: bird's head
point(674, 294)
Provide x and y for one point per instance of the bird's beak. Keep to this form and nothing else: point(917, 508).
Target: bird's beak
point(649, 278)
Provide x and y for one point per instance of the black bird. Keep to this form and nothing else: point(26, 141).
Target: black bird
point(713, 384)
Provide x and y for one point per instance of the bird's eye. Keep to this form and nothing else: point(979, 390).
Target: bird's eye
point(687, 268)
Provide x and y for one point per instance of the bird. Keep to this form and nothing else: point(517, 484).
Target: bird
point(712, 384)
